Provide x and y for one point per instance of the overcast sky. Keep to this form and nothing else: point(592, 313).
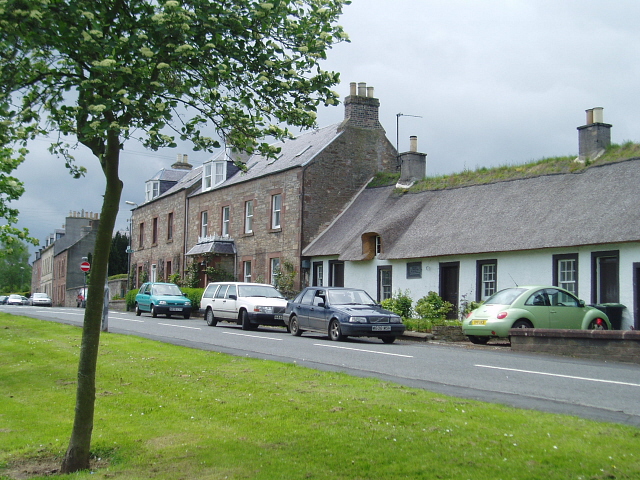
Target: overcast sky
point(480, 83)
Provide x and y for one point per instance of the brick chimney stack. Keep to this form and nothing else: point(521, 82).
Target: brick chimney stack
point(182, 162)
point(594, 137)
point(361, 108)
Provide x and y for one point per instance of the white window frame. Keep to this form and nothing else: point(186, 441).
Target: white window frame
point(567, 274)
point(246, 271)
point(152, 190)
point(204, 224)
point(220, 172)
point(226, 218)
point(248, 216)
point(206, 176)
point(378, 245)
point(275, 268)
point(276, 211)
point(489, 280)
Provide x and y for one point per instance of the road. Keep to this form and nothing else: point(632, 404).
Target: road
point(604, 391)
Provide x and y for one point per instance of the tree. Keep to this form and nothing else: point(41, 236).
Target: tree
point(103, 73)
point(118, 256)
point(15, 272)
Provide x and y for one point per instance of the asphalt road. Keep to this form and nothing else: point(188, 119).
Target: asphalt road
point(604, 391)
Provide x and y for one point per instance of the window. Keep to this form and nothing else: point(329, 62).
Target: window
point(248, 216)
point(214, 173)
point(170, 226)
point(414, 269)
point(168, 269)
point(385, 289)
point(225, 221)
point(204, 224)
point(378, 245)
point(154, 231)
point(152, 190)
point(565, 272)
point(246, 268)
point(487, 278)
point(336, 273)
point(275, 269)
point(318, 274)
point(276, 208)
point(141, 236)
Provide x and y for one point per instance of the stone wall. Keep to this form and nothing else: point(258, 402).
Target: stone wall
point(607, 345)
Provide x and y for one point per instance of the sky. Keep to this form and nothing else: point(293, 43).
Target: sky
point(480, 83)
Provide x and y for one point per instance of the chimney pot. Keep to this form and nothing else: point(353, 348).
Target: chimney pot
point(370, 92)
point(362, 89)
point(413, 143)
point(598, 116)
point(352, 89)
point(589, 116)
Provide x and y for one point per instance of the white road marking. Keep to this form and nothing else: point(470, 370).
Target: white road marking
point(560, 376)
point(180, 326)
point(362, 350)
point(126, 319)
point(252, 336)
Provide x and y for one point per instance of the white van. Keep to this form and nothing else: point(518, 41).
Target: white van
point(247, 304)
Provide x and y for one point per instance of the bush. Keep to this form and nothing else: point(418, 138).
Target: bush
point(130, 299)
point(399, 303)
point(195, 295)
point(433, 308)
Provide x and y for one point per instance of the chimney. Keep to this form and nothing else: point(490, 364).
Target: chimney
point(594, 137)
point(413, 165)
point(182, 162)
point(361, 108)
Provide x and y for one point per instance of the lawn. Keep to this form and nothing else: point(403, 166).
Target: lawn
point(169, 412)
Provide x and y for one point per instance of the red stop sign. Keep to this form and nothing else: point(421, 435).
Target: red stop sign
point(85, 266)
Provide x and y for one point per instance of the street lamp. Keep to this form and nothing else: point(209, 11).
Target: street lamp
point(129, 250)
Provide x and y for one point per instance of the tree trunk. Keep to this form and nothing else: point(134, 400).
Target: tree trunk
point(78, 453)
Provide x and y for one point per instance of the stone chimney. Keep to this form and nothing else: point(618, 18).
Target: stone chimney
point(361, 108)
point(413, 165)
point(182, 162)
point(594, 137)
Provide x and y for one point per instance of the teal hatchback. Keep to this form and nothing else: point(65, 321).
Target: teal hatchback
point(162, 298)
point(531, 307)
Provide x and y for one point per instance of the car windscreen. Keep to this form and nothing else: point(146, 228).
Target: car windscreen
point(166, 290)
point(258, 291)
point(505, 297)
point(350, 297)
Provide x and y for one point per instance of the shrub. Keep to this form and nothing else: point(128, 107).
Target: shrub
point(195, 295)
point(433, 308)
point(399, 303)
point(130, 299)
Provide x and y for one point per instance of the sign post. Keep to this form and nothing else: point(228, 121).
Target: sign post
point(85, 267)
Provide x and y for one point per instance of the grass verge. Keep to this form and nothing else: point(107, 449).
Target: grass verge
point(168, 412)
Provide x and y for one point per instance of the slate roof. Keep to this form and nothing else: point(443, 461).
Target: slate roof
point(168, 175)
point(187, 180)
point(295, 152)
point(601, 205)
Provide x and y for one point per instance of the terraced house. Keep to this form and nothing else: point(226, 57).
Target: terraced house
point(249, 223)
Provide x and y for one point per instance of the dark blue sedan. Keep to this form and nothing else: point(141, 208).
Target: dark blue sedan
point(340, 313)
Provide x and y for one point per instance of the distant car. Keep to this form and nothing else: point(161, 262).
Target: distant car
point(531, 307)
point(247, 304)
point(41, 299)
point(3, 299)
point(162, 298)
point(340, 313)
point(16, 300)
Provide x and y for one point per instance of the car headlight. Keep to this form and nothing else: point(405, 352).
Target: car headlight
point(395, 320)
point(187, 304)
point(262, 309)
point(162, 302)
point(357, 319)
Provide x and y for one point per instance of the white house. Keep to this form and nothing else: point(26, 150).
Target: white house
point(580, 231)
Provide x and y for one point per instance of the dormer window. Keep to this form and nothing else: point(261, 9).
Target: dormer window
point(152, 190)
point(371, 245)
point(214, 174)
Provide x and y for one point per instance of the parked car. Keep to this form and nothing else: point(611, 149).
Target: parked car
point(340, 313)
point(41, 299)
point(531, 307)
point(162, 298)
point(16, 300)
point(247, 304)
point(3, 299)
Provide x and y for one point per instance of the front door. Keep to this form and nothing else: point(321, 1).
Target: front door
point(449, 281)
point(605, 288)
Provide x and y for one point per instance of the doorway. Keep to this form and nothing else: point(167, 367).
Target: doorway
point(449, 285)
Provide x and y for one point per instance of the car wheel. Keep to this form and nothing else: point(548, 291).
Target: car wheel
point(154, 313)
point(522, 324)
point(478, 340)
point(388, 339)
point(294, 326)
point(187, 316)
point(598, 324)
point(246, 323)
point(138, 311)
point(168, 315)
point(334, 331)
point(209, 318)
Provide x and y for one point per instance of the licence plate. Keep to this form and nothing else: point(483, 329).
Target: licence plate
point(175, 309)
point(278, 316)
point(381, 328)
point(478, 322)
